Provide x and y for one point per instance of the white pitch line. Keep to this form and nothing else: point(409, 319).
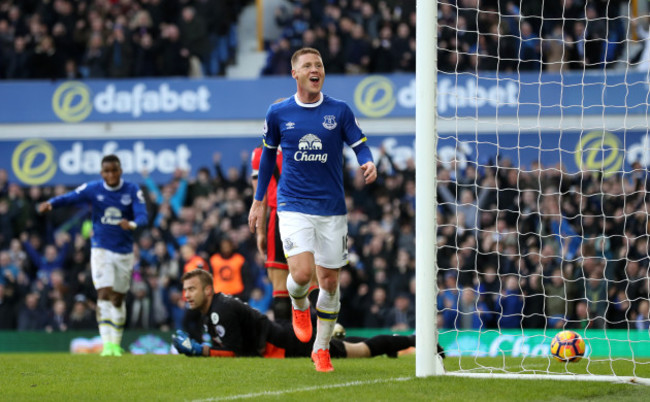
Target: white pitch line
point(293, 390)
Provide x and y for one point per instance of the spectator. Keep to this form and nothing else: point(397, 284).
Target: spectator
point(119, 54)
point(173, 194)
point(191, 259)
point(7, 308)
point(145, 60)
point(81, 317)
point(95, 59)
point(261, 298)
point(231, 272)
point(511, 304)
point(19, 60)
point(175, 57)
point(141, 309)
point(47, 61)
point(194, 34)
point(31, 316)
point(57, 319)
point(556, 293)
point(472, 312)
point(402, 316)
point(382, 58)
point(51, 259)
point(8, 270)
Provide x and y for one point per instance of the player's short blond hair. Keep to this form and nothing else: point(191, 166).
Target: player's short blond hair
point(300, 52)
point(204, 276)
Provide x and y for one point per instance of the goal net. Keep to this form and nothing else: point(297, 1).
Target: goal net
point(542, 186)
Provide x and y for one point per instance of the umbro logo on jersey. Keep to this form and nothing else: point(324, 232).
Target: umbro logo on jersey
point(290, 125)
point(329, 122)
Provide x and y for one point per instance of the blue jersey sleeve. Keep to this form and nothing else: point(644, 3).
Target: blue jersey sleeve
point(79, 195)
point(267, 166)
point(271, 139)
point(271, 132)
point(352, 133)
point(354, 137)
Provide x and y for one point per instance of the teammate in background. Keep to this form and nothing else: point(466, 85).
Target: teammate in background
point(269, 243)
point(118, 208)
point(311, 128)
point(238, 330)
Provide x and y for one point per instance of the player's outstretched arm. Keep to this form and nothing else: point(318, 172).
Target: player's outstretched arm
point(369, 172)
point(189, 347)
point(44, 207)
point(186, 345)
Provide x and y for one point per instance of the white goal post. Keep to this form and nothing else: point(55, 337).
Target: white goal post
point(533, 214)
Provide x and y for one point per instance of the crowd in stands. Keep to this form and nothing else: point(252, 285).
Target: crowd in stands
point(539, 247)
point(147, 38)
point(535, 247)
point(532, 246)
point(378, 36)
point(66, 39)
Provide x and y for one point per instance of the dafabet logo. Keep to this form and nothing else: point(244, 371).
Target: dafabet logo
point(375, 96)
point(34, 162)
point(599, 151)
point(74, 101)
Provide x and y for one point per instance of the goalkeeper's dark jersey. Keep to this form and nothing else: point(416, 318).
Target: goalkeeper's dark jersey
point(236, 327)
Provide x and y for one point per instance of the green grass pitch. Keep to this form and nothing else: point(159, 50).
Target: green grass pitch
point(64, 377)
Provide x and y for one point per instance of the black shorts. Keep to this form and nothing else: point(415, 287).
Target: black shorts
point(274, 252)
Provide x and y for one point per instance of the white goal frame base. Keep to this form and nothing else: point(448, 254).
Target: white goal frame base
point(555, 377)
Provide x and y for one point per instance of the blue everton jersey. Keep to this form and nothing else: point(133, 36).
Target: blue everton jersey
point(312, 137)
point(109, 206)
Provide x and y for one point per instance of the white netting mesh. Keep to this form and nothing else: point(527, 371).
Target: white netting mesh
point(543, 184)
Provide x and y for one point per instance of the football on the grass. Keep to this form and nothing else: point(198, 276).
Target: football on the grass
point(568, 346)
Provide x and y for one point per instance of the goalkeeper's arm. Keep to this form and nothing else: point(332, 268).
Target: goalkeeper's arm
point(189, 347)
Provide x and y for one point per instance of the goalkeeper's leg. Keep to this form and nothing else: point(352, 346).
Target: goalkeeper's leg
point(389, 345)
point(379, 345)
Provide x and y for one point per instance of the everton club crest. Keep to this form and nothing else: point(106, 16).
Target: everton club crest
point(329, 122)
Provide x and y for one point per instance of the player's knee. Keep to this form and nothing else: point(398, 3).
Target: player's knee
point(104, 294)
point(328, 284)
point(302, 277)
point(117, 299)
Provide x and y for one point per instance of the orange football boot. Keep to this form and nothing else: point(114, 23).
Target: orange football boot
point(301, 321)
point(322, 361)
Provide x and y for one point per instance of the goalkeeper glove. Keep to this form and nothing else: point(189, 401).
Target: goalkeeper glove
point(186, 345)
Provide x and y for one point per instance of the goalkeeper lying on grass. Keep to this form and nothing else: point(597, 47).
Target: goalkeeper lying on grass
point(238, 330)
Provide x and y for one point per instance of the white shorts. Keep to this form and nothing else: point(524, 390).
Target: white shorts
point(324, 236)
point(110, 269)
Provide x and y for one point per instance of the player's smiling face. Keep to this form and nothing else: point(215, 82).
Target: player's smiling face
point(111, 173)
point(309, 73)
